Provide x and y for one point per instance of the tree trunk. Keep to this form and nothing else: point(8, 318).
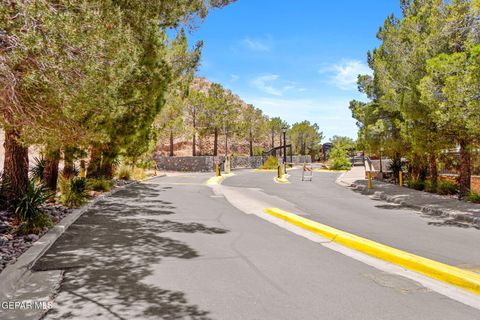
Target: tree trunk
point(94, 163)
point(215, 142)
point(194, 142)
point(273, 139)
point(68, 166)
point(171, 143)
point(251, 142)
point(15, 164)
point(50, 174)
point(432, 164)
point(465, 169)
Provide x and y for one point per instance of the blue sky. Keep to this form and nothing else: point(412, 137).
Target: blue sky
point(296, 59)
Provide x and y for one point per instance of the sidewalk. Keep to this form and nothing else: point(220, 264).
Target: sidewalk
point(425, 202)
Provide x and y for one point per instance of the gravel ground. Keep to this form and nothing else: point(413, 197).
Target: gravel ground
point(12, 245)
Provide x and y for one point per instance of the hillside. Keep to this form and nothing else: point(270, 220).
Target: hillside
point(183, 142)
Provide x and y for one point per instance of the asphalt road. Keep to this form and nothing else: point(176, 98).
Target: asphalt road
point(325, 201)
point(174, 248)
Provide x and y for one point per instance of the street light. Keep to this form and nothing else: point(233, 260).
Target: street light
point(284, 130)
point(224, 113)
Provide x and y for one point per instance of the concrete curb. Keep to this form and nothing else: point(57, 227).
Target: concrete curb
point(467, 280)
point(426, 209)
point(11, 276)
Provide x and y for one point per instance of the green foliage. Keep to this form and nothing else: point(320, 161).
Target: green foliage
point(343, 142)
point(338, 159)
point(416, 184)
point(424, 89)
point(73, 192)
point(29, 209)
point(474, 197)
point(431, 186)
point(100, 185)
point(270, 163)
point(306, 138)
point(447, 188)
point(124, 173)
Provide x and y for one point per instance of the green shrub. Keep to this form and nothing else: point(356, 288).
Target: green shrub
point(29, 209)
point(100, 185)
point(124, 173)
point(474, 197)
point(431, 186)
point(73, 192)
point(338, 159)
point(270, 163)
point(447, 188)
point(416, 184)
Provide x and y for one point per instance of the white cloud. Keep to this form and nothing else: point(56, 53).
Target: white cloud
point(344, 75)
point(265, 83)
point(257, 44)
point(234, 77)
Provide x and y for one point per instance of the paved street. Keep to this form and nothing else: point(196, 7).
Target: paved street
point(175, 248)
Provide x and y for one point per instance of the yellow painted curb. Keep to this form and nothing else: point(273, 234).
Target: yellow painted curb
point(218, 180)
point(265, 170)
point(461, 278)
point(283, 179)
point(326, 170)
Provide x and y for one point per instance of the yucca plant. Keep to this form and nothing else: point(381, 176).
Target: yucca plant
point(73, 191)
point(38, 168)
point(28, 210)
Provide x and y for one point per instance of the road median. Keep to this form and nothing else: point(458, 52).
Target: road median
point(452, 275)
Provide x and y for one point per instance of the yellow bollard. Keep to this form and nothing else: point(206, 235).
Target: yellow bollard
point(217, 170)
point(280, 172)
point(369, 174)
point(83, 172)
point(400, 178)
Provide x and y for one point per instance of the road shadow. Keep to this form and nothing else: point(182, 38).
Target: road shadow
point(108, 252)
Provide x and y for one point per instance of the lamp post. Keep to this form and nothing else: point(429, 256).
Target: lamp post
point(381, 155)
point(224, 113)
point(284, 130)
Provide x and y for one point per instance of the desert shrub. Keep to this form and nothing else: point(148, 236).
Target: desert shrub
point(338, 159)
point(474, 197)
point(416, 184)
point(100, 185)
point(447, 188)
point(124, 173)
point(138, 174)
point(431, 186)
point(29, 211)
point(73, 192)
point(270, 163)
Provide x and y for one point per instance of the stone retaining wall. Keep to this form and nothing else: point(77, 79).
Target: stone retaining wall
point(207, 163)
point(474, 184)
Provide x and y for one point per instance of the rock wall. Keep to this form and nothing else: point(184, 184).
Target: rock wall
point(474, 184)
point(207, 163)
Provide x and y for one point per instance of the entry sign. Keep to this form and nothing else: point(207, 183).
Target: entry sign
point(307, 173)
